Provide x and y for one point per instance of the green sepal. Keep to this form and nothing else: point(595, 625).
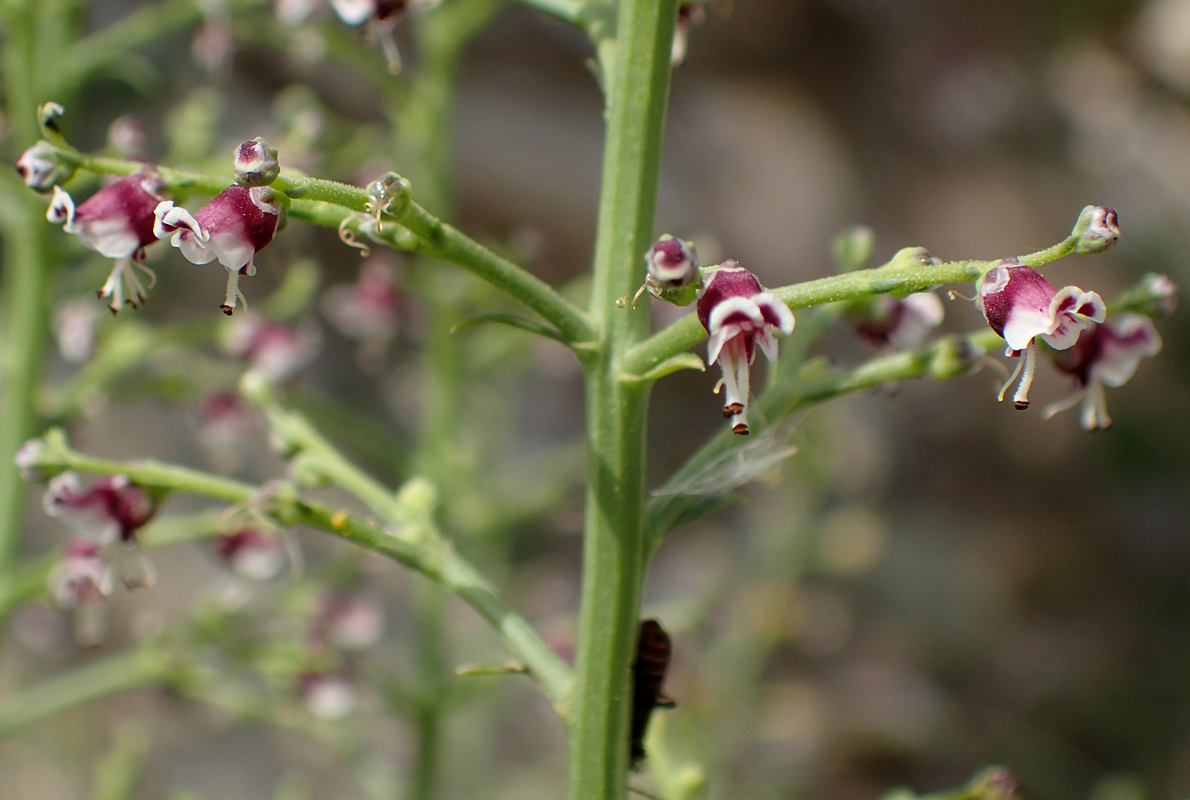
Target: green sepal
point(512, 321)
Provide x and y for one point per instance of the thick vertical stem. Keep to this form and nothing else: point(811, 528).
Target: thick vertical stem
point(26, 274)
point(637, 71)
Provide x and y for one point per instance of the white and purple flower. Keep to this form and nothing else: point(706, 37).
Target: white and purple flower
point(901, 323)
point(109, 514)
point(739, 315)
point(1021, 306)
point(277, 350)
point(382, 17)
point(80, 582)
point(233, 227)
point(366, 310)
point(117, 222)
point(1105, 355)
point(42, 168)
point(253, 553)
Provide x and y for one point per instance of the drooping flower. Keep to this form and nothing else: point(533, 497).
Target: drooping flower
point(253, 553)
point(690, 15)
point(233, 227)
point(739, 315)
point(366, 310)
point(901, 323)
point(347, 621)
point(226, 424)
point(75, 330)
point(117, 222)
point(382, 17)
point(277, 350)
point(1020, 305)
point(1106, 354)
point(109, 513)
point(80, 582)
point(328, 695)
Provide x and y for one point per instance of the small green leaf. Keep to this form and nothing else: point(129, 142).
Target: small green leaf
point(512, 321)
point(671, 365)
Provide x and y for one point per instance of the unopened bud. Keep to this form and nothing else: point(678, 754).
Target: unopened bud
point(47, 116)
point(671, 262)
point(951, 358)
point(1097, 229)
point(42, 167)
point(1154, 295)
point(256, 163)
point(852, 249)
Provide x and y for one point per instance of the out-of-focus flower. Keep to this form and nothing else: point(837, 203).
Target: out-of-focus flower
point(1020, 305)
point(236, 225)
point(294, 12)
point(366, 310)
point(1105, 355)
point(347, 621)
point(225, 423)
point(253, 553)
point(80, 582)
point(1097, 229)
point(690, 15)
point(275, 349)
point(382, 17)
point(739, 315)
point(901, 323)
point(111, 509)
point(328, 695)
point(29, 460)
point(74, 328)
point(117, 222)
point(108, 513)
point(127, 136)
point(42, 168)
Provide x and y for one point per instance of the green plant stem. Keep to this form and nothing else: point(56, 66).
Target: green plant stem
point(414, 541)
point(902, 275)
point(114, 674)
point(637, 76)
point(949, 357)
point(329, 203)
point(27, 272)
point(566, 10)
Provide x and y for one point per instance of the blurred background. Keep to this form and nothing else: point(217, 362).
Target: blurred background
point(933, 583)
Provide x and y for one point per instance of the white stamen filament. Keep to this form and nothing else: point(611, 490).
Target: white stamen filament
point(1020, 362)
point(1021, 398)
point(233, 292)
point(1094, 410)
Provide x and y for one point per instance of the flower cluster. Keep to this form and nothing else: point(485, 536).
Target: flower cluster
point(106, 517)
point(1096, 352)
point(1021, 306)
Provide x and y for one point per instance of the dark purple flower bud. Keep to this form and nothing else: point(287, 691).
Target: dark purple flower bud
point(112, 509)
point(1020, 305)
point(236, 225)
point(739, 315)
point(117, 222)
point(256, 163)
point(1097, 229)
point(1106, 354)
point(42, 168)
point(253, 553)
point(671, 262)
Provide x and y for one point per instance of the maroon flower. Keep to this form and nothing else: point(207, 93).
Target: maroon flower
point(739, 315)
point(898, 322)
point(236, 225)
point(1020, 305)
point(252, 553)
point(1106, 354)
point(117, 222)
